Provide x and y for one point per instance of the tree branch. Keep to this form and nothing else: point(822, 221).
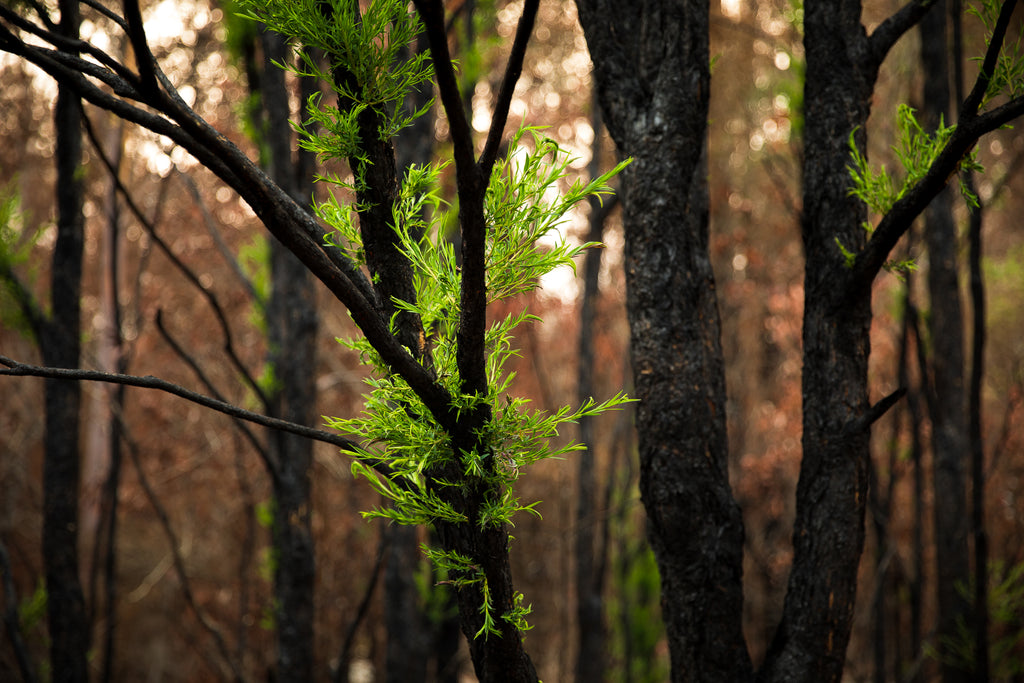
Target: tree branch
point(17, 369)
point(218, 240)
point(193, 279)
point(513, 70)
point(902, 214)
point(432, 14)
point(143, 57)
point(268, 461)
point(179, 567)
point(973, 101)
point(892, 29)
point(282, 216)
point(875, 412)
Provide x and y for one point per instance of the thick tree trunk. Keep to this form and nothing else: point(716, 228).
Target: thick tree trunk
point(59, 340)
point(946, 330)
point(651, 67)
point(810, 643)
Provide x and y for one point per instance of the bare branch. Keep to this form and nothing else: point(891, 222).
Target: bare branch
point(432, 14)
point(218, 239)
point(179, 567)
point(892, 29)
point(269, 462)
point(143, 57)
point(67, 44)
point(513, 71)
point(188, 273)
point(16, 369)
point(875, 412)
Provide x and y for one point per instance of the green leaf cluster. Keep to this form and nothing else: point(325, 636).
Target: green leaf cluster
point(15, 248)
point(403, 450)
point(1006, 603)
point(916, 150)
point(1007, 78)
point(522, 205)
point(369, 65)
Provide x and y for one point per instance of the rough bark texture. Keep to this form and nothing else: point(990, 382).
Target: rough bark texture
point(496, 658)
point(810, 643)
point(946, 330)
point(651, 66)
point(59, 340)
point(292, 324)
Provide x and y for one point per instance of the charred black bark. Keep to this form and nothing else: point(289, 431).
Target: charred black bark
point(59, 340)
point(409, 630)
point(651, 69)
point(810, 644)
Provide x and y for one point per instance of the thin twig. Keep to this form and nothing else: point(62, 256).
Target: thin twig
point(16, 369)
point(268, 461)
point(218, 239)
point(186, 271)
point(513, 71)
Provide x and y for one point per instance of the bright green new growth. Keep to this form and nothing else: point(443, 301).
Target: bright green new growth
point(403, 450)
point(377, 69)
point(1007, 77)
point(522, 205)
point(916, 151)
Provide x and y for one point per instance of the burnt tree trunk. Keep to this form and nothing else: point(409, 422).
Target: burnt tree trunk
point(59, 340)
point(652, 75)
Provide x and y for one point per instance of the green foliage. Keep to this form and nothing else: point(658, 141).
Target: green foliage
point(32, 610)
point(634, 618)
point(254, 260)
point(406, 456)
point(916, 151)
point(522, 205)
point(1007, 77)
point(370, 67)
point(475, 61)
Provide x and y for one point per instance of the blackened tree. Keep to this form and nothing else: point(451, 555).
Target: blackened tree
point(651, 70)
